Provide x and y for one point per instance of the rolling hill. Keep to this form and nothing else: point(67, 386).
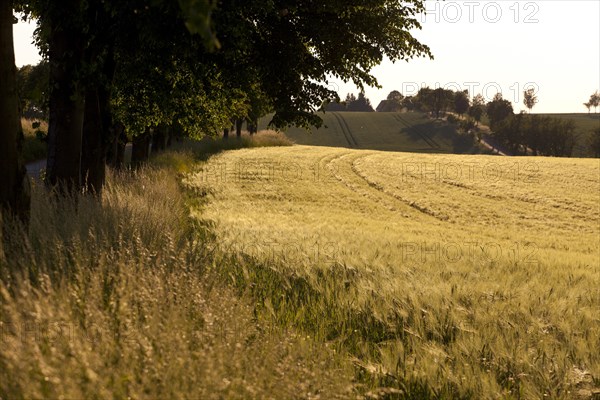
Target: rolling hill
point(413, 132)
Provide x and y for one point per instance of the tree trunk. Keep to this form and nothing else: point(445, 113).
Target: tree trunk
point(98, 122)
point(115, 156)
point(93, 152)
point(252, 126)
point(121, 140)
point(238, 127)
point(65, 49)
point(14, 185)
point(159, 139)
point(226, 133)
point(139, 149)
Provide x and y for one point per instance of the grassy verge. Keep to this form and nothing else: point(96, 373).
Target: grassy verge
point(123, 298)
point(208, 146)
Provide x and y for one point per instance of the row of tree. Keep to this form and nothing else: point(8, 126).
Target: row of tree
point(532, 134)
point(519, 133)
point(189, 66)
point(436, 102)
point(537, 135)
point(351, 103)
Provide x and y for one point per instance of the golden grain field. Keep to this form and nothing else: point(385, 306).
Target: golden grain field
point(481, 273)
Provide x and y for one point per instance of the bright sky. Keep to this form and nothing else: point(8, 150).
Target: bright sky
point(484, 46)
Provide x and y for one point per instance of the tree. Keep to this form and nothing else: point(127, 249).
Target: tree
point(561, 138)
point(350, 98)
point(529, 98)
point(393, 103)
point(588, 105)
point(33, 85)
point(296, 47)
point(533, 133)
point(435, 101)
point(477, 108)
point(169, 74)
point(595, 100)
point(461, 102)
point(14, 184)
point(335, 106)
point(509, 131)
point(361, 103)
point(63, 26)
point(395, 96)
point(537, 134)
point(498, 109)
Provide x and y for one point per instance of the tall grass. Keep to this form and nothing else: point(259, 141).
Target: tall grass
point(120, 299)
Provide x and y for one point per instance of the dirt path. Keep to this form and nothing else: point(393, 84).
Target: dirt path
point(34, 168)
point(485, 137)
point(489, 146)
point(485, 132)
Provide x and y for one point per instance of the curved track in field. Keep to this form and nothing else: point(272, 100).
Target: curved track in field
point(343, 168)
point(346, 130)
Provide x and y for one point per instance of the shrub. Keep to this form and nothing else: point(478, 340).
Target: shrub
point(34, 145)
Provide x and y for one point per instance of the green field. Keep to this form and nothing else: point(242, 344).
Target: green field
point(412, 131)
point(438, 276)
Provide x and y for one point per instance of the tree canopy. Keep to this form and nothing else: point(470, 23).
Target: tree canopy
point(498, 109)
point(200, 64)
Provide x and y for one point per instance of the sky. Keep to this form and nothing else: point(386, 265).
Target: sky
point(484, 47)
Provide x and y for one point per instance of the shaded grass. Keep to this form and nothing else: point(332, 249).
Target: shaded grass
point(209, 146)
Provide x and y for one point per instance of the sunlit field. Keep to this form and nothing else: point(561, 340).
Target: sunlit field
point(436, 275)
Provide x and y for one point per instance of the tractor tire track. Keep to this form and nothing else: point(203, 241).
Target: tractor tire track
point(373, 191)
point(424, 135)
point(337, 165)
point(346, 130)
point(411, 203)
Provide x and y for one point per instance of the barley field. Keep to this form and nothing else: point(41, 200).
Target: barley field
point(436, 275)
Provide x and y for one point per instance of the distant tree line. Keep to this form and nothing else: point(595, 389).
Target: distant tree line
point(521, 133)
point(351, 103)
